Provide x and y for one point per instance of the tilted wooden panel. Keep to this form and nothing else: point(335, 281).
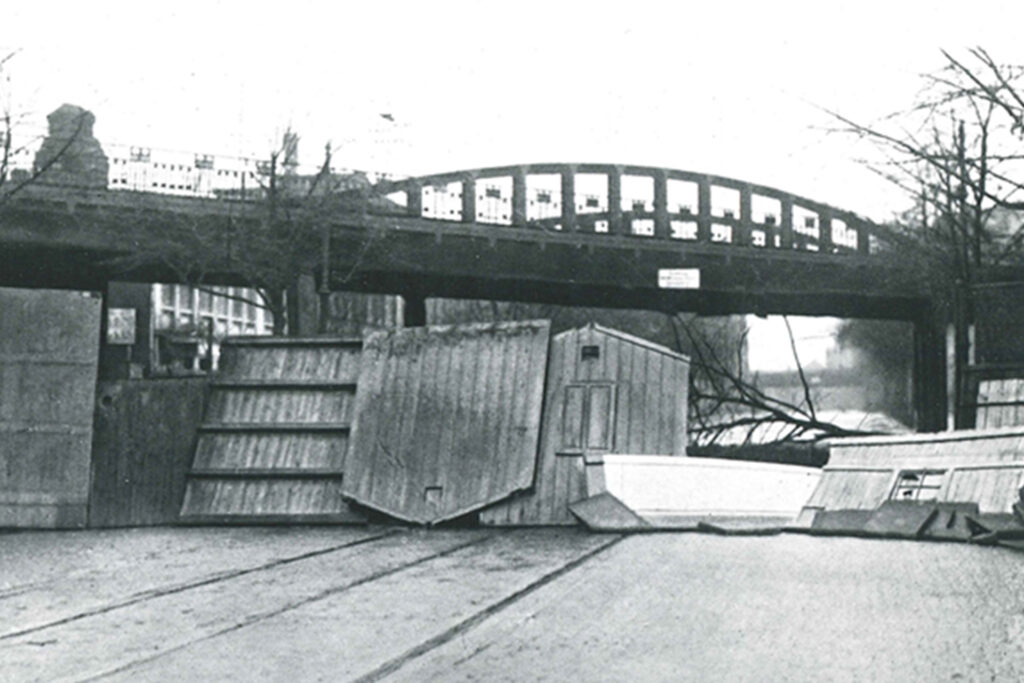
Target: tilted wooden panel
point(268, 404)
point(266, 497)
point(290, 359)
point(49, 344)
point(994, 490)
point(447, 418)
point(275, 436)
point(845, 490)
point(271, 450)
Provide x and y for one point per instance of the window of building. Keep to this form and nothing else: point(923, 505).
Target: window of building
point(918, 485)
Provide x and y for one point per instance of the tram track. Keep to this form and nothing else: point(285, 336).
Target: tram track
point(321, 595)
point(162, 591)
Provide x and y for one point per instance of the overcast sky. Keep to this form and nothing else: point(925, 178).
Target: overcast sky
point(734, 89)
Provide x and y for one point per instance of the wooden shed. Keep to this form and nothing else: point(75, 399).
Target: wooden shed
point(606, 392)
point(978, 467)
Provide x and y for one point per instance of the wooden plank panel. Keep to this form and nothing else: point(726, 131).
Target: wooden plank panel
point(144, 438)
point(555, 482)
point(49, 342)
point(289, 423)
point(465, 471)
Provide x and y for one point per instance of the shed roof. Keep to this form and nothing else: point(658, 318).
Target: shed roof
point(637, 341)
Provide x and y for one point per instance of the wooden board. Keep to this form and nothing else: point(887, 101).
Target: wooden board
point(273, 444)
point(447, 418)
point(1008, 397)
point(49, 346)
point(143, 442)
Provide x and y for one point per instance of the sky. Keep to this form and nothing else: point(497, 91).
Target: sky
point(739, 89)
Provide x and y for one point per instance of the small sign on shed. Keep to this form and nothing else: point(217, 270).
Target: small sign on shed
point(121, 326)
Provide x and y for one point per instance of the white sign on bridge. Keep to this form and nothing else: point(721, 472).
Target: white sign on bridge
point(679, 278)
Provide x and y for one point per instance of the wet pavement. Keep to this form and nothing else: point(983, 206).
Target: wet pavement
point(376, 603)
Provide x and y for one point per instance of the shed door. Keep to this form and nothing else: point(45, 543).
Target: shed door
point(588, 418)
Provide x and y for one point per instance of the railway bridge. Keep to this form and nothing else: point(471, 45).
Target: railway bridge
point(602, 235)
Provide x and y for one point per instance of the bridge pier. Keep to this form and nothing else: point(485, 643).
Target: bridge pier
point(929, 372)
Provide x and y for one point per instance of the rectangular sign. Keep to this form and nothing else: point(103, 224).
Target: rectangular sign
point(120, 325)
point(679, 278)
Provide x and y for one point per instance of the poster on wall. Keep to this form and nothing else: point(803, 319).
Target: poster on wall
point(121, 326)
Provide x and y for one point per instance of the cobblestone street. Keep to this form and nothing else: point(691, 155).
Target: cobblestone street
point(332, 604)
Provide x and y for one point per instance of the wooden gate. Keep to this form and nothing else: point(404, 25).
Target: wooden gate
point(49, 345)
point(447, 418)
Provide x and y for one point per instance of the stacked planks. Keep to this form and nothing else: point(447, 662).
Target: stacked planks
point(275, 438)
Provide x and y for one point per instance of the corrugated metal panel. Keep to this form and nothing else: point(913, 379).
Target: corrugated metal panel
point(275, 437)
point(447, 418)
point(49, 345)
point(648, 416)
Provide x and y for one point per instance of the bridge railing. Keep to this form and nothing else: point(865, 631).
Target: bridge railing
point(637, 201)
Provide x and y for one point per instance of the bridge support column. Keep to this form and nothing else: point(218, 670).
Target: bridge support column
point(414, 310)
point(661, 205)
point(929, 372)
point(704, 210)
point(519, 216)
point(569, 199)
point(786, 224)
point(743, 230)
point(615, 202)
point(469, 200)
point(414, 200)
point(825, 230)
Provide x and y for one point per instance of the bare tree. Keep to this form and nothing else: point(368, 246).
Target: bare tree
point(958, 153)
point(725, 397)
point(274, 234)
